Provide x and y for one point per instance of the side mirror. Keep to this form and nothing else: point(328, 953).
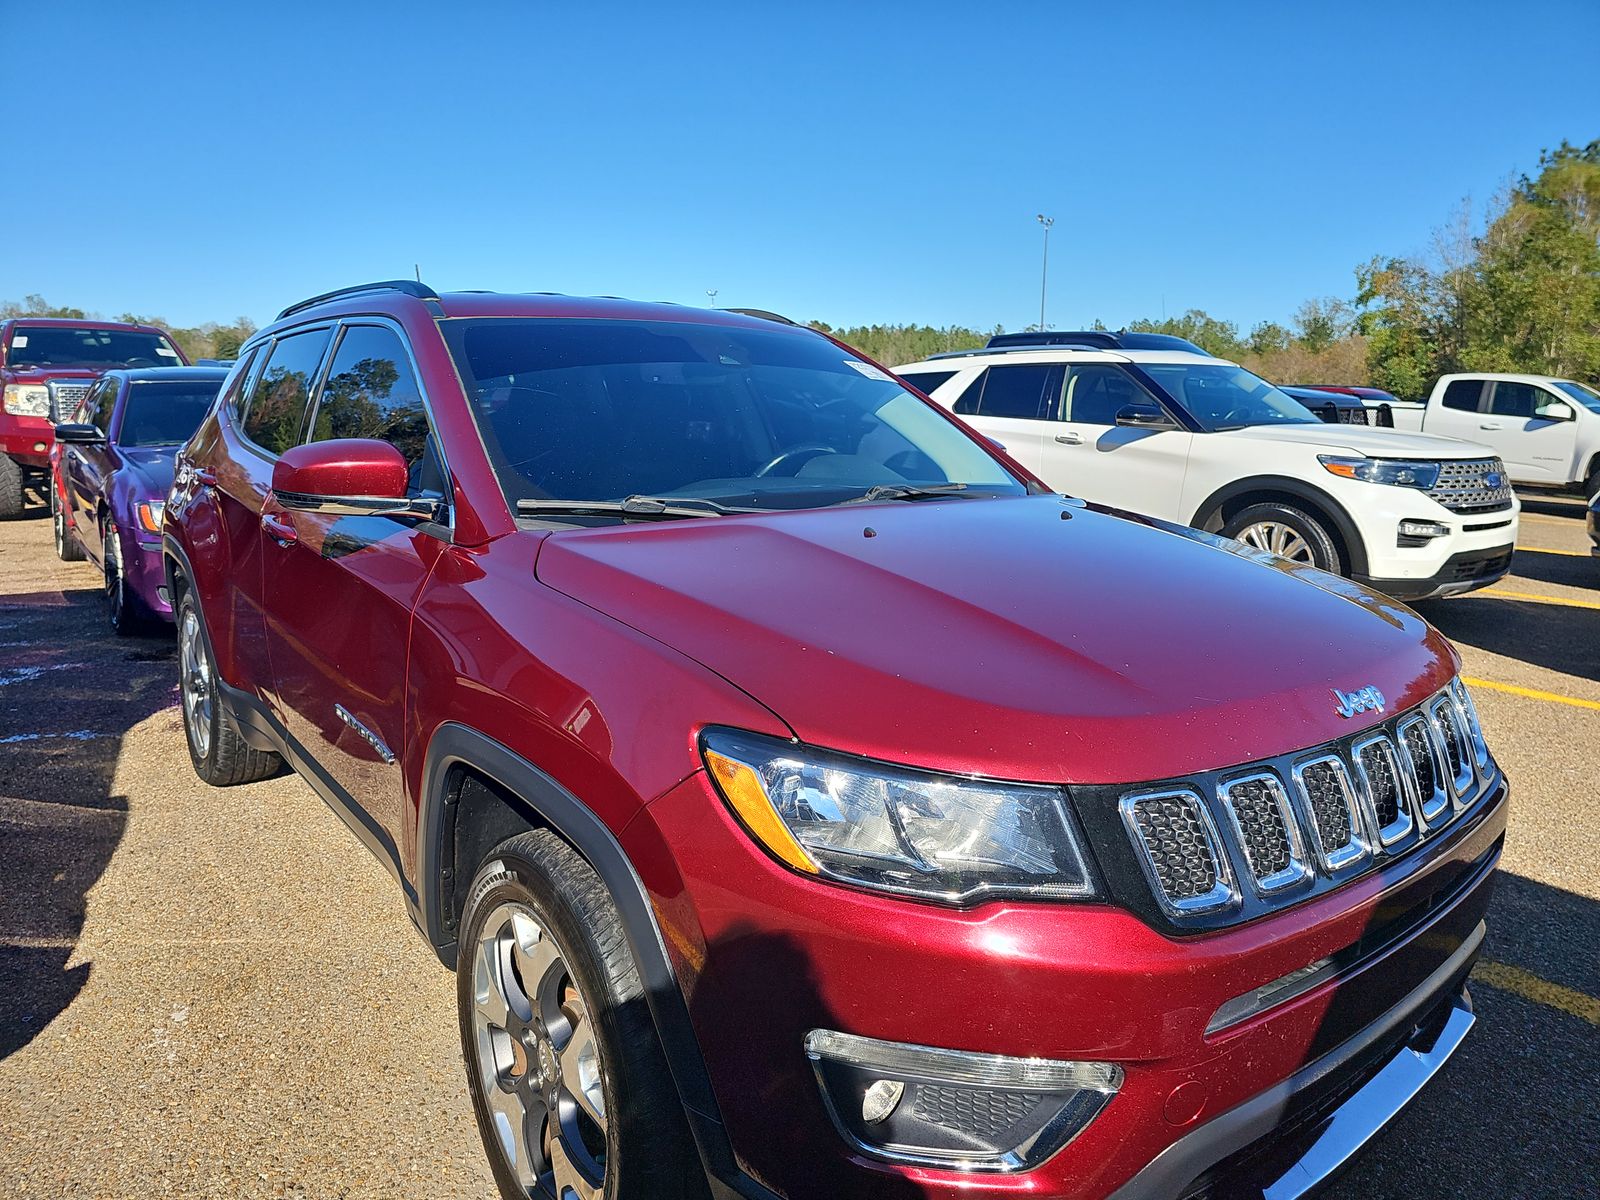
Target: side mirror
point(1143, 416)
point(81, 435)
point(348, 477)
point(1554, 410)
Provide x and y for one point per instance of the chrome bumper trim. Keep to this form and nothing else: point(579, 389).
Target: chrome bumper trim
point(1348, 1128)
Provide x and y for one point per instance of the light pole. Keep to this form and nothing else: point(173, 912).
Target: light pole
point(1044, 269)
point(711, 294)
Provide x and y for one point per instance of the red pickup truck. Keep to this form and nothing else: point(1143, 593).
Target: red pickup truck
point(46, 366)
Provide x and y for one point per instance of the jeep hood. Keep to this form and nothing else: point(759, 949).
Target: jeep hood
point(1026, 638)
point(1362, 440)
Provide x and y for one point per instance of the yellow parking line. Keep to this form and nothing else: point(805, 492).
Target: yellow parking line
point(1541, 991)
point(1499, 594)
point(1530, 693)
point(1547, 550)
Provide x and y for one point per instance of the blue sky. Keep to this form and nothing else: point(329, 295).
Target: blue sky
point(850, 162)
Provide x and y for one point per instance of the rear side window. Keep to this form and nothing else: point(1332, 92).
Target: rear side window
point(238, 386)
point(1463, 394)
point(927, 382)
point(1019, 391)
point(277, 409)
point(371, 392)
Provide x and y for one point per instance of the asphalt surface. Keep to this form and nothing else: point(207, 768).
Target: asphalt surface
point(217, 993)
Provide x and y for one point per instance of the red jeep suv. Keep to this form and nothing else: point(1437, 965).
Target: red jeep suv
point(810, 802)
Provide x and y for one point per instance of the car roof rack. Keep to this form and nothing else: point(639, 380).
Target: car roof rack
point(764, 315)
point(409, 287)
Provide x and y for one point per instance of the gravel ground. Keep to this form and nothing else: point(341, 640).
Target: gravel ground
point(217, 993)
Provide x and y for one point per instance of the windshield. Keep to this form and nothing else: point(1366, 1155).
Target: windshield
point(1222, 396)
point(64, 346)
point(780, 419)
point(1585, 396)
point(164, 414)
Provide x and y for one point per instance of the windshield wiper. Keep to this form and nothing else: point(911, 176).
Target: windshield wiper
point(906, 491)
point(649, 507)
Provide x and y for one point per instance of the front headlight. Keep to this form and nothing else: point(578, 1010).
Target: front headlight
point(27, 400)
point(944, 837)
point(1398, 471)
point(150, 515)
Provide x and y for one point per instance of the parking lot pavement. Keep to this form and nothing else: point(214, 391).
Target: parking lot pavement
point(217, 993)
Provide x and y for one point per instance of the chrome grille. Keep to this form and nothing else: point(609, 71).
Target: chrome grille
point(1222, 847)
point(1180, 850)
point(1463, 486)
point(64, 397)
point(1387, 802)
point(1264, 824)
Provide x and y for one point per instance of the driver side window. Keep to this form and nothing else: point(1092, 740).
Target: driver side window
point(1094, 393)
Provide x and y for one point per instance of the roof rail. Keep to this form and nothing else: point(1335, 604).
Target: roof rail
point(409, 287)
point(1093, 338)
point(764, 315)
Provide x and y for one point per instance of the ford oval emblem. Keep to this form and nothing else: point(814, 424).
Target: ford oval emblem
point(1493, 479)
point(1367, 699)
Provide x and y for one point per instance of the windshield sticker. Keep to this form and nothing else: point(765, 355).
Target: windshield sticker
point(18, 341)
point(166, 352)
point(867, 369)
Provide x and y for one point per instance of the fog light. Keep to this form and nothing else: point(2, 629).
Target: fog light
point(1416, 532)
point(947, 1108)
point(38, 447)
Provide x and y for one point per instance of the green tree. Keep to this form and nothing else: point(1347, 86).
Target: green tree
point(1320, 323)
point(1210, 333)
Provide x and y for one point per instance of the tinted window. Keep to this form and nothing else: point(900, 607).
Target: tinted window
point(372, 393)
point(238, 385)
point(1514, 399)
point(926, 381)
point(753, 418)
point(1463, 394)
point(164, 414)
point(277, 408)
point(99, 404)
point(967, 402)
point(1096, 392)
point(1017, 391)
point(1223, 396)
point(44, 346)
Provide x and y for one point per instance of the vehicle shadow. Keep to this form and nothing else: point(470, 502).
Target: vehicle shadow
point(1552, 504)
point(1556, 637)
point(1569, 570)
point(69, 692)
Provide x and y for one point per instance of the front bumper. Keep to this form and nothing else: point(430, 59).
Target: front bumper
point(26, 440)
point(764, 956)
point(1464, 572)
point(146, 573)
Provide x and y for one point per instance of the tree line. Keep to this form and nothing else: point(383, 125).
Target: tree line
point(1519, 293)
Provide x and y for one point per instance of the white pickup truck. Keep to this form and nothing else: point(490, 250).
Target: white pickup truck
point(1123, 420)
point(1546, 429)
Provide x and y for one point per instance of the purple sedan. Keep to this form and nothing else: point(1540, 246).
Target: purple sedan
point(111, 469)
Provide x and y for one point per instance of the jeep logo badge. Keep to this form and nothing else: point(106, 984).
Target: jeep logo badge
point(1368, 699)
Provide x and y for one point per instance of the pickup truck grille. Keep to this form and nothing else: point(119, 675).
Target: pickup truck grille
point(64, 396)
point(1218, 850)
point(1464, 486)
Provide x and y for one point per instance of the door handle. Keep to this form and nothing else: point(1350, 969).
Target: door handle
point(279, 529)
point(1489, 425)
point(1070, 439)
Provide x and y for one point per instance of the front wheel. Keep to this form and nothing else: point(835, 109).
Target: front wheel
point(67, 548)
point(220, 756)
point(11, 498)
point(572, 1093)
point(1286, 531)
point(123, 608)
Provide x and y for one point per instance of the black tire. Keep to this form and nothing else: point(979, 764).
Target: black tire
point(11, 479)
point(647, 1153)
point(225, 758)
point(1591, 483)
point(67, 547)
point(125, 611)
point(1256, 526)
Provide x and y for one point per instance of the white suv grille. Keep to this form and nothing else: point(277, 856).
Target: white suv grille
point(1463, 486)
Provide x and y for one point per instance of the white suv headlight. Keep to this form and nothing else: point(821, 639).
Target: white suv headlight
point(1397, 471)
point(944, 837)
point(27, 400)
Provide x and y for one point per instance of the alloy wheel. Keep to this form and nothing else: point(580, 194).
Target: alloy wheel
point(115, 587)
point(195, 670)
point(536, 1059)
point(1277, 538)
point(59, 520)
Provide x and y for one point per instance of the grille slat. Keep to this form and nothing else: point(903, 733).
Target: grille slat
point(1266, 830)
point(1180, 849)
point(1423, 765)
point(1379, 768)
point(1463, 486)
point(64, 397)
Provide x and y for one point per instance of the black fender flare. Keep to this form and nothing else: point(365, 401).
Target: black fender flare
point(1354, 545)
point(569, 817)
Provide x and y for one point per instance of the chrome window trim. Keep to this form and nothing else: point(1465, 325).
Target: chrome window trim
point(1224, 895)
point(1299, 868)
point(1434, 810)
point(1401, 827)
point(1359, 848)
point(1440, 709)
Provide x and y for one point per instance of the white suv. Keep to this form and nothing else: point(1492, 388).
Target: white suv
point(1180, 435)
